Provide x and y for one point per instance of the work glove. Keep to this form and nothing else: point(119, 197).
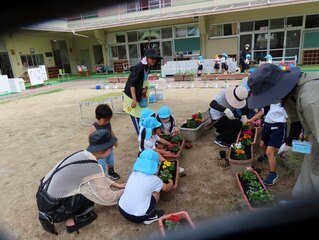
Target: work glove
point(229, 114)
point(284, 148)
point(244, 119)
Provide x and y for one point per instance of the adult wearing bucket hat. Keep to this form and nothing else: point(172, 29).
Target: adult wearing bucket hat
point(77, 182)
point(221, 110)
point(137, 87)
point(298, 93)
point(138, 202)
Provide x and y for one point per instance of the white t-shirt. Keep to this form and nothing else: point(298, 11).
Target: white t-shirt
point(200, 62)
point(223, 60)
point(166, 126)
point(221, 100)
point(138, 192)
point(148, 143)
point(276, 114)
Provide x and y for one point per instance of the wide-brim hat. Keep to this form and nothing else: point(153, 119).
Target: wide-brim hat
point(147, 162)
point(151, 53)
point(236, 96)
point(101, 140)
point(269, 84)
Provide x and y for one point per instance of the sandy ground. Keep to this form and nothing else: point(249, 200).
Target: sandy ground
point(38, 131)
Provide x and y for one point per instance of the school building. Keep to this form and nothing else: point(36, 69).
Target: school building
point(178, 29)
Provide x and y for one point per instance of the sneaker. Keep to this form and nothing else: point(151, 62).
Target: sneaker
point(262, 158)
point(221, 143)
point(154, 216)
point(271, 179)
point(181, 170)
point(82, 221)
point(112, 174)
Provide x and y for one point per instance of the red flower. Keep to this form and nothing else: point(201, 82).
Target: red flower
point(174, 218)
point(194, 116)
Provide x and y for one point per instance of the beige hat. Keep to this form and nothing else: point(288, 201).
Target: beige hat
point(236, 96)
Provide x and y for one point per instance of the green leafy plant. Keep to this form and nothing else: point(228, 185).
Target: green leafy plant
point(195, 121)
point(239, 151)
point(166, 137)
point(176, 139)
point(248, 176)
point(260, 196)
point(174, 148)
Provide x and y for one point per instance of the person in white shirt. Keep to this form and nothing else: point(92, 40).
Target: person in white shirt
point(200, 66)
point(142, 191)
point(272, 137)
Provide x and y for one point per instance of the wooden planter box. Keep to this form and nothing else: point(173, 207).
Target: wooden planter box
point(255, 133)
point(113, 80)
point(188, 77)
point(174, 156)
point(191, 134)
point(179, 78)
point(239, 165)
point(168, 196)
point(211, 76)
point(123, 79)
point(153, 78)
point(182, 215)
point(243, 188)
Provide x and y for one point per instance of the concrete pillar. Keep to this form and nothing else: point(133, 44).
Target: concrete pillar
point(203, 35)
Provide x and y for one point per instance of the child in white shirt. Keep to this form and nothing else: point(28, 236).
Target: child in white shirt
point(142, 191)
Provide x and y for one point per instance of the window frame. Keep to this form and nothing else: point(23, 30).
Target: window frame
point(186, 26)
point(37, 59)
point(224, 36)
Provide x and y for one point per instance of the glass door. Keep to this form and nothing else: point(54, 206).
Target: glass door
point(134, 57)
point(276, 47)
point(260, 46)
point(292, 43)
point(167, 51)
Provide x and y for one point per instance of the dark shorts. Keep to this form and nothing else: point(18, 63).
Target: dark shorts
point(139, 219)
point(216, 66)
point(224, 66)
point(273, 135)
point(200, 67)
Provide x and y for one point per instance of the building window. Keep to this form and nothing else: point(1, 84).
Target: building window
point(294, 21)
point(119, 52)
point(186, 31)
point(132, 36)
point(142, 5)
point(246, 26)
point(277, 23)
point(167, 32)
point(32, 60)
point(223, 30)
point(312, 21)
point(261, 25)
point(120, 38)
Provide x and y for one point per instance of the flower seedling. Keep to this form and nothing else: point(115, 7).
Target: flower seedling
point(173, 223)
point(166, 171)
point(174, 148)
point(176, 139)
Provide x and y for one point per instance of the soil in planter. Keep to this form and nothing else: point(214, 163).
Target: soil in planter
point(183, 222)
point(245, 186)
point(247, 152)
point(185, 125)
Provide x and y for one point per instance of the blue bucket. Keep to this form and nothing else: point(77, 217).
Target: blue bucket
point(97, 87)
point(152, 99)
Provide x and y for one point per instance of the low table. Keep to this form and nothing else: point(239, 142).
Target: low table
point(109, 97)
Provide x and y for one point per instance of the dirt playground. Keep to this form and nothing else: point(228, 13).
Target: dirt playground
point(38, 131)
